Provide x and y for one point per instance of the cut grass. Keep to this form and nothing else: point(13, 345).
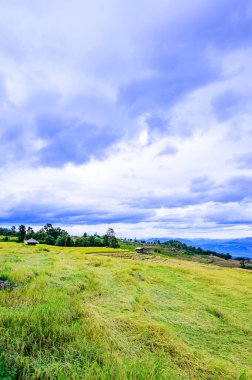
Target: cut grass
point(79, 313)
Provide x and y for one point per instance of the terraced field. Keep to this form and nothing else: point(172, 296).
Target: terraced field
point(97, 313)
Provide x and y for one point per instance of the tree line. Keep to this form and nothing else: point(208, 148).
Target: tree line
point(56, 236)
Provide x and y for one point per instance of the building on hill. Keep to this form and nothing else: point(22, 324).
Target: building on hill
point(31, 242)
point(139, 249)
point(142, 250)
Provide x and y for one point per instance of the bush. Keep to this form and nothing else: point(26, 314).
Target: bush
point(7, 372)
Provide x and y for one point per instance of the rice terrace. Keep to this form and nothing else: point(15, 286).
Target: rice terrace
point(104, 313)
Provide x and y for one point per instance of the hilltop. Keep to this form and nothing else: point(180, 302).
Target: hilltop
point(175, 248)
point(103, 313)
point(240, 247)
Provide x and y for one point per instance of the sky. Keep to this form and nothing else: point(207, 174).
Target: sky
point(135, 115)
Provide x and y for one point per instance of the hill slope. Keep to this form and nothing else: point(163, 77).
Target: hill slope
point(84, 313)
point(236, 247)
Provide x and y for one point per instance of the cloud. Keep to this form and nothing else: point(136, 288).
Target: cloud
point(235, 189)
point(229, 104)
point(230, 214)
point(72, 140)
point(36, 214)
point(156, 123)
point(177, 57)
point(244, 161)
point(144, 124)
point(201, 184)
point(169, 149)
point(109, 76)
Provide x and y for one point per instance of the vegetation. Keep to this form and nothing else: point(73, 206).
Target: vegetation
point(245, 264)
point(99, 313)
point(172, 247)
point(57, 236)
point(189, 250)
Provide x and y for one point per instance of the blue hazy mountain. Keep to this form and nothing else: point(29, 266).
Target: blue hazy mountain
point(236, 247)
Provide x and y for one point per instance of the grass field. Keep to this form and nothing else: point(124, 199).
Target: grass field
point(81, 313)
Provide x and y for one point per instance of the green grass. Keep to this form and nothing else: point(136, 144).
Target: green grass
point(130, 246)
point(84, 313)
point(8, 238)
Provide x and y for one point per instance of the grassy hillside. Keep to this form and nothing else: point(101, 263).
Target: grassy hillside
point(84, 313)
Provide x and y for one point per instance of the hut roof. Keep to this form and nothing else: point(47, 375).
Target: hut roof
point(32, 241)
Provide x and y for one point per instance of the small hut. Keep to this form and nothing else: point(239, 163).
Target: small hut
point(139, 249)
point(145, 250)
point(31, 242)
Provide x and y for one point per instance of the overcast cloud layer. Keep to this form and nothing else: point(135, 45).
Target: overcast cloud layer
point(136, 115)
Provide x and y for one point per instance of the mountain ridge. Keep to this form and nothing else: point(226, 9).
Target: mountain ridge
point(238, 247)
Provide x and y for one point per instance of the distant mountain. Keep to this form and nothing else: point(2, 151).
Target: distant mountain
point(236, 247)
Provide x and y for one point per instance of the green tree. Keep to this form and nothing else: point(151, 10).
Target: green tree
point(50, 240)
point(111, 239)
point(29, 233)
point(21, 233)
point(64, 240)
point(105, 241)
point(91, 240)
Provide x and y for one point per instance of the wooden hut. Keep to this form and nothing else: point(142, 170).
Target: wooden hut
point(139, 249)
point(145, 250)
point(31, 242)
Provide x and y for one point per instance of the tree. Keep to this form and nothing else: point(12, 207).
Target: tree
point(98, 241)
point(110, 239)
point(29, 233)
point(242, 263)
point(21, 233)
point(50, 240)
point(105, 241)
point(110, 232)
point(64, 240)
point(78, 242)
point(49, 230)
point(91, 240)
point(13, 230)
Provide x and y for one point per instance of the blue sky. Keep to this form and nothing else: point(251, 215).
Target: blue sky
point(135, 115)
